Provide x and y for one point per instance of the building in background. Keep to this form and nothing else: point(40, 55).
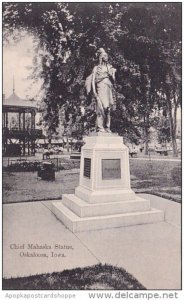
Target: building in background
point(19, 132)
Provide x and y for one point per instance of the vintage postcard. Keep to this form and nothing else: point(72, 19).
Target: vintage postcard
point(91, 150)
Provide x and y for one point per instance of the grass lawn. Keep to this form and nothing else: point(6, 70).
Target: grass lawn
point(26, 186)
point(162, 178)
point(98, 277)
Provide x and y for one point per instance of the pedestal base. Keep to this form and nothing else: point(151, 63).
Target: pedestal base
point(104, 195)
point(79, 216)
point(104, 198)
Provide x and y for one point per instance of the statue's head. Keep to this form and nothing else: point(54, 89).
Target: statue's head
point(102, 55)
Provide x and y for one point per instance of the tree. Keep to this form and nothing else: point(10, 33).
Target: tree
point(163, 129)
point(159, 45)
point(137, 37)
point(172, 92)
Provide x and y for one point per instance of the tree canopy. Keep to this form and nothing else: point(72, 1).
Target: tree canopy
point(143, 41)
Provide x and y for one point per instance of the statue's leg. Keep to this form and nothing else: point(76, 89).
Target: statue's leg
point(100, 121)
point(108, 120)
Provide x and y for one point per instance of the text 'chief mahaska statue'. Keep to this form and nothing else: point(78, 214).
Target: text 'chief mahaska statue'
point(101, 83)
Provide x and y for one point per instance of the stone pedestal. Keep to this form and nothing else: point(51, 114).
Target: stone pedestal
point(104, 198)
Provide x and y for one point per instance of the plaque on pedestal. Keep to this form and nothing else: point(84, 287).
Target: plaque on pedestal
point(87, 167)
point(111, 169)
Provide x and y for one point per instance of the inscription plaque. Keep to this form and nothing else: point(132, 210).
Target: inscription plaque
point(87, 167)
point(111, 169)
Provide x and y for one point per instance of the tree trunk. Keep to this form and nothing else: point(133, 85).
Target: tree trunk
point(146, 134)
point(172, 122)
point(67, 144)
point(174, 145)
point(49, 142)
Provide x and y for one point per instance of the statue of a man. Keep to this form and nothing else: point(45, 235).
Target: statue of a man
point(103, 77)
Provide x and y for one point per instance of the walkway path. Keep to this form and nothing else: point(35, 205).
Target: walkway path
point(151, 253)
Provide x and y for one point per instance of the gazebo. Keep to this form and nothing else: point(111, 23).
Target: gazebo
point(19, 133)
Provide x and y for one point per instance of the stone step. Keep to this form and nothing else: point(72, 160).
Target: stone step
point(75, 224)
point(104, 195)
point(84, 209)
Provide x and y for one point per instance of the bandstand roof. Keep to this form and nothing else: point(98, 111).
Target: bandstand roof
point(16, 103)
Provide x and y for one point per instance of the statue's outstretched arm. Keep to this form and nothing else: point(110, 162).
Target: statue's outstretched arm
point(112, 74)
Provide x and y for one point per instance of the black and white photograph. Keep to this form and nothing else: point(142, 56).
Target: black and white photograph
point(91, 149)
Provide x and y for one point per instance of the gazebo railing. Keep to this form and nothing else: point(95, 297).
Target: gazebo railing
point(19, 133)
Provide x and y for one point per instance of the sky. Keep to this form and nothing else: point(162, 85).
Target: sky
point(16, 60)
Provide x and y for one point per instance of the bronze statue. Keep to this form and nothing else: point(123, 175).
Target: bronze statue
point(102, 79)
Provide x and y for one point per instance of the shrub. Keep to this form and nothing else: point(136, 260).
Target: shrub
point(26, 166)
point(176, 175)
